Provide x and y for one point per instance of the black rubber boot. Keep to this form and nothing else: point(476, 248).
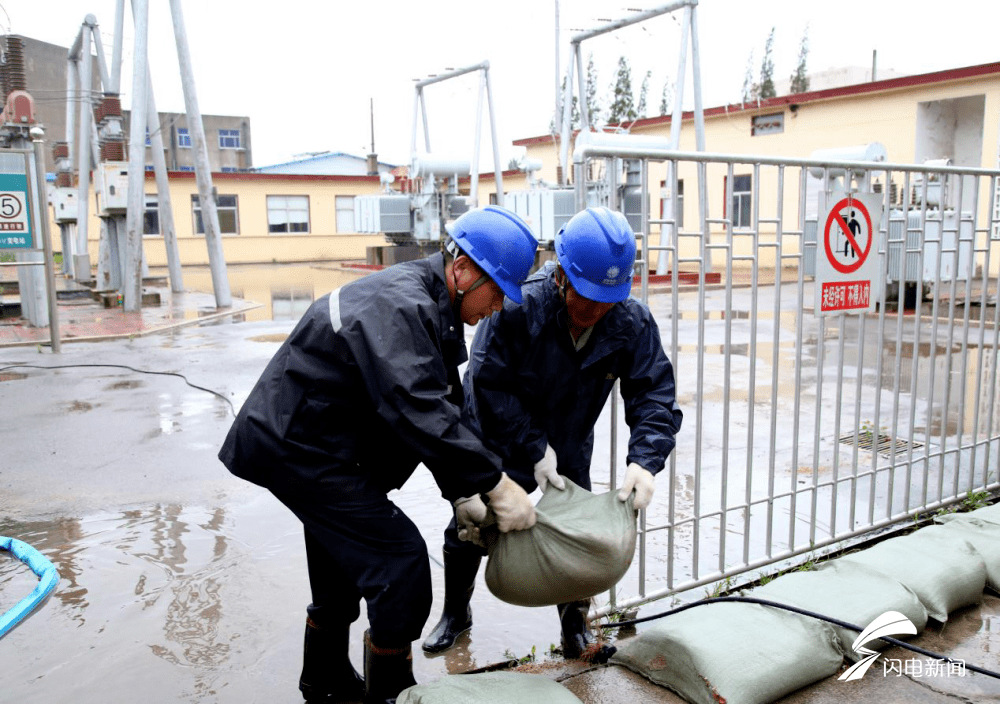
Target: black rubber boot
point(388, 671)
point(576, 635)
point(460, 569)
point(327, 673)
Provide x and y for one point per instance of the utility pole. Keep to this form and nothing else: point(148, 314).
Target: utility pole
point(206, 197)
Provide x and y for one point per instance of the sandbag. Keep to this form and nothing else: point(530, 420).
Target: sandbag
point(847, 591)
point(946, 573)
point(489, 688)
point(983, 535)
point(581, 545)
point(987, 513)
point(734, 653)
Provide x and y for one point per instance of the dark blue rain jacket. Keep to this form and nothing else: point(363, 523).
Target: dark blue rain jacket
point(527, 385)
point(367, 383)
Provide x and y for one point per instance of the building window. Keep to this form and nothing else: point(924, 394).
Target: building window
point(290, 303)
point(345, 213)
point(151, 215)
point(665, 198)
point(288, 213)
point(768, 124)
point(229, 139)
point(742, 190)
point(228, 216)
point(183, 138)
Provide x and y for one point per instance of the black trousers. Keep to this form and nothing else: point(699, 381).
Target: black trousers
point(360, 545)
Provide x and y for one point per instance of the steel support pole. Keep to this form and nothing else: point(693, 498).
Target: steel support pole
point(37, 135)
point(497, 166)
point(209, 213)
point(166, 212)
point(116, 48)
point(83, 149)
point(474, 175)
point(132, 269)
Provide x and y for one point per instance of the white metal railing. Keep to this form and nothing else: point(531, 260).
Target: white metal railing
point(780, 405)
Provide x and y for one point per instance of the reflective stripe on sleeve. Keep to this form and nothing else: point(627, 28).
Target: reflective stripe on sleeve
point(335, 320)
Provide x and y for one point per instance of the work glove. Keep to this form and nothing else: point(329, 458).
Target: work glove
point(545, 471)
point(511, 505)
point(639, 480)
point(470, 512)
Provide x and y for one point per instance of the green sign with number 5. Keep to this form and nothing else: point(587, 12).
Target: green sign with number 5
point(15, 213)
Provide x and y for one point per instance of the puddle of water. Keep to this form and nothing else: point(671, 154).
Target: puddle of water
point(286, 290)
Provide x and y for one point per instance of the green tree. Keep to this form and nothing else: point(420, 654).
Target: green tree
point(593, 107)
point(622, 103)
point(749, 92)
point(766, 82)
point(800, 79)
point(665, 98)
point(641, 108)
point(556, 124)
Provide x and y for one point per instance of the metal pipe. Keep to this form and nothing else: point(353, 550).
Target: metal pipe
point(131, 269)
point(452, 74)
point(567, 120)
point(474, 171)
point(102, 64)
point(83, 149)
point(589, 150)
point(497, 166)
point(116, 48)
point(699, 114)
point(632, 19)
point(37, 135)
point(165, 209)
point(210, 215)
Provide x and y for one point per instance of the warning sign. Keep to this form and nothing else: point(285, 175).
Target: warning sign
point(846, 258)
point(15, 222)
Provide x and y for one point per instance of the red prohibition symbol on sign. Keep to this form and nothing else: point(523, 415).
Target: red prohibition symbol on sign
point(849, 230)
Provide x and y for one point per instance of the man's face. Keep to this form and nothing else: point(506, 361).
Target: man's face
point(484, 300)
point(583, 312)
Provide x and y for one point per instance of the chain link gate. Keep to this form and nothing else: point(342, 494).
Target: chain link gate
point(803, 432)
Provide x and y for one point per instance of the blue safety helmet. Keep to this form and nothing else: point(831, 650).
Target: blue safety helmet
point(500, 243)
point(596, 249)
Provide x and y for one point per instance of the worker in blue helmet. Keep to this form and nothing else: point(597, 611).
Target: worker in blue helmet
point(539, 376)
point(364, 388)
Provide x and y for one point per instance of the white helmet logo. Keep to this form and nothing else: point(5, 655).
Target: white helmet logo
point(612, 272)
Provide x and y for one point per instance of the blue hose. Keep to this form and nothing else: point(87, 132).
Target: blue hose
point(47, 580)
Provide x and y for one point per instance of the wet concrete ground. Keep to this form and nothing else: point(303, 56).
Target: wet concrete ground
point(175, 573)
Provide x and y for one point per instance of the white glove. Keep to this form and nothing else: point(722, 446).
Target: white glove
point(641, 481)
point(511, 505)
point(470, 512)
point(545, 471)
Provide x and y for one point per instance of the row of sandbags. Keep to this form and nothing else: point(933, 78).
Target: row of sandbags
point(754, 654)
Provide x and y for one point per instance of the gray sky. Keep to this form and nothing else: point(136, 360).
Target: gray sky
point(305, 71)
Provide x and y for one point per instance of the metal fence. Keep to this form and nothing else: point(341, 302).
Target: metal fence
point(803, 432)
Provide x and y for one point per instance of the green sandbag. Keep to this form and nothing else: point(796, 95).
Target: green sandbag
point(987, 513)
point(733, 653)
point(847, 591)
point(581, 545)
point(983, 535)
point(945, 572)
point(489, 688)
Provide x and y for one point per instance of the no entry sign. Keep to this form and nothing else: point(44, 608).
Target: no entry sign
point(846, 258)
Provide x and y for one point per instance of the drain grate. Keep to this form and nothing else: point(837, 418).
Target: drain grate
point(881, 444)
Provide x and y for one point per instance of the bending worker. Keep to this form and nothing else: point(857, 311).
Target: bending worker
point(364, 389)
point(537, 381)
